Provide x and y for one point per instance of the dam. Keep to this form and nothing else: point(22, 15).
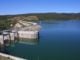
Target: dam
point(23, 32)
point(22, 29)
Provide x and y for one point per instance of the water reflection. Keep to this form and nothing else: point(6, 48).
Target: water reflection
point(12, 44)
point(3, 49)
point(29, 41)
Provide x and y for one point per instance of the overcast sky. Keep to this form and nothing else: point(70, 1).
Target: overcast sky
point(37, 6)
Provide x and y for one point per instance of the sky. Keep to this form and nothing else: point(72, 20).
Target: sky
point(8, 7)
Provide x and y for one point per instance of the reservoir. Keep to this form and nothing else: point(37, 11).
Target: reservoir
point(58, 40)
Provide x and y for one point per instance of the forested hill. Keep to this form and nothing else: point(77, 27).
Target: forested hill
point(6, 20)
point(57, 16)
point(46, 16)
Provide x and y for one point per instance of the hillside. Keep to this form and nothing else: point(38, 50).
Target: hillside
point(50, 16)
point(6, 20)
point(43, 16)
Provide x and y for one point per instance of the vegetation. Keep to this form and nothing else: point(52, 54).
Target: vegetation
point(4, 24)
point(55, 16)
point(6, 20)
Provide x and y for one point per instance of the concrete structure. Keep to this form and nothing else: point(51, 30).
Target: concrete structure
point(21, 29)
point(1, 40)
point(12, 36)
point(9, 57)
point(28, 34)
point(27, 29)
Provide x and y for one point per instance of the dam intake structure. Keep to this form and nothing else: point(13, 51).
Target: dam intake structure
point(21, 30)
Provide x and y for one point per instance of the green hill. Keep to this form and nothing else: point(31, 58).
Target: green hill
point(6, 20)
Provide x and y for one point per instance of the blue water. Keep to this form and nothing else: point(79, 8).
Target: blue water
point(59, 40)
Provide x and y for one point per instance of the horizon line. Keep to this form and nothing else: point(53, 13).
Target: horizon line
point(39, 13)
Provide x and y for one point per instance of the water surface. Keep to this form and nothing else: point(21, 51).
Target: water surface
point(59, 40)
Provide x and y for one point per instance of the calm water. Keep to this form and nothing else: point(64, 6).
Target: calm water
point(59, 40)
